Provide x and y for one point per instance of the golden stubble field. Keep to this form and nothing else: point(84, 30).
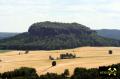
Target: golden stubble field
point(90, 57)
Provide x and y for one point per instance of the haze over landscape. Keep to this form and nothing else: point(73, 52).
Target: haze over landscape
point(18, 15)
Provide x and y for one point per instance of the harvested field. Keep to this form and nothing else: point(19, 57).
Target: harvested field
point(90, 57)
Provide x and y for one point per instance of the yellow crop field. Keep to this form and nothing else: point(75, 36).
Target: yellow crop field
point(90, 57)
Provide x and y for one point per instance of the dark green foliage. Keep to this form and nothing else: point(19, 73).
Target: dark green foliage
point(24, 72)
point(67, 56)
point(54, 35)
point(66, 73)
point(52, 76)
point(64, 56)
point(82, 73)
point(79, 73)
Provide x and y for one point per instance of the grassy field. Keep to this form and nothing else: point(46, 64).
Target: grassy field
point(90, 57)
point(3, 51)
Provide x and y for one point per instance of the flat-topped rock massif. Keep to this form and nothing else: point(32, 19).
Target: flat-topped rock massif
point(54, 35)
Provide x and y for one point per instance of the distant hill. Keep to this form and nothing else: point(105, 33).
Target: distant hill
point(4, 35)
point(114, 34)
point(54, 35)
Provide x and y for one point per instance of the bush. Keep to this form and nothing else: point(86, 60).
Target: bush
point(51, 58)
point(22, 72)
point(79, 73)
point(66, 73)
point(51, 76)
point(26, 52)
point(82, 73)
point(67, 56)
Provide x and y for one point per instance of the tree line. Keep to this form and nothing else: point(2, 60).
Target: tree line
point(79, 73)
point(64, 56)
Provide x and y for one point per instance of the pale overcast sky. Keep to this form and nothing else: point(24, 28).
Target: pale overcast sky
point(18, 15)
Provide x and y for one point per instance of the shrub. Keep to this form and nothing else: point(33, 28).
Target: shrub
point(66, 73)
point(51, 58)
point(26, 52)
point(22, 72)
point(82, 73)
point(51, 76)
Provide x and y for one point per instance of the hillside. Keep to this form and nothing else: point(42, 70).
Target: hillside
point(114, 34)
point(4, 35)
point(53, 35)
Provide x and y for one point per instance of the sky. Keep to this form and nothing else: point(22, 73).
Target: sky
point(19, 15)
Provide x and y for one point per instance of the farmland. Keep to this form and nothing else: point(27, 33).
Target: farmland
point(90, 57)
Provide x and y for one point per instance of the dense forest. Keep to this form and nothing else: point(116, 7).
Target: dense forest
point(54, 35)
point(79, 73)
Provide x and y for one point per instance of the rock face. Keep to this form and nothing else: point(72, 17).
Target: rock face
point(53, 35)
point(54, 28)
